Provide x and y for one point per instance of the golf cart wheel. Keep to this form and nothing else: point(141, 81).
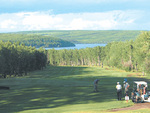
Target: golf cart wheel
point(140, 100)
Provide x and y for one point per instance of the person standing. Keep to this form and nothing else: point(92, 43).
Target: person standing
point(96, 85)
point(126, 88)
point(119, 91)
point(144, 89)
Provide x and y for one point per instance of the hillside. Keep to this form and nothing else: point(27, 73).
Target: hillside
point(65, 89)
point(35, 40)
point(89, 36)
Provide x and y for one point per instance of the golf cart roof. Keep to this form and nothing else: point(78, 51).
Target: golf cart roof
point(140, 82)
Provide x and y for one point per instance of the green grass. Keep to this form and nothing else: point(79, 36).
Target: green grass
point(63, 90)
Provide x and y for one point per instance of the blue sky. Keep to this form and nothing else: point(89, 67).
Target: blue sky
point(25, 15)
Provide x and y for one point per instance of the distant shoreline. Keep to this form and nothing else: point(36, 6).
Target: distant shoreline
point(78, 46)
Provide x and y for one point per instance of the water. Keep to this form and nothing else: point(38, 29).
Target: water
point(79, 46)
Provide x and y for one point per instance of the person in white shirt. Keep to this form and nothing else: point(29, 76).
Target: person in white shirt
point(119, 91)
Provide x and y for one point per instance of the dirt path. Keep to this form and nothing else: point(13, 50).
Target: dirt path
point(135, 107)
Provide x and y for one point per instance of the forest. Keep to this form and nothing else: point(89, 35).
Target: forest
point(35, 40)
point(88, 36)
point(18, 59)
point(68, 38)
point(128, 55)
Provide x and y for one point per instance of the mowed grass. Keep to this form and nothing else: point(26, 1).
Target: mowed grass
point(64, 90)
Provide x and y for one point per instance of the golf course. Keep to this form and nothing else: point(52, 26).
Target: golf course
point(67, 89)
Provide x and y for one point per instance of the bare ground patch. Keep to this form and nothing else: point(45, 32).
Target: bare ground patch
point(134, 107)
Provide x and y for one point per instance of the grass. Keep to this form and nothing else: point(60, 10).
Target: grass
point(63, 90)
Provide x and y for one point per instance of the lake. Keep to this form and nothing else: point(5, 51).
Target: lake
point(79, 46)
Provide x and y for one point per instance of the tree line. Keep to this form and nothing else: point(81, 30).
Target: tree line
point(129, 55)
point(89, 36)
point(47, 42)
point(35, 40)
point(17, 59)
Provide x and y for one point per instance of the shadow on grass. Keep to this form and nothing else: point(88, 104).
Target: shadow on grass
point(42, 91)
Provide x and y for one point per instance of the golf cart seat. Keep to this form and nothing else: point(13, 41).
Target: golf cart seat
point(139, 93)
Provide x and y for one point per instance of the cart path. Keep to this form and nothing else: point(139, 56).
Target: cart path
point(134, 107)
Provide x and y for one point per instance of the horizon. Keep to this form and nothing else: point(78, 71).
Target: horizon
point(65, 30)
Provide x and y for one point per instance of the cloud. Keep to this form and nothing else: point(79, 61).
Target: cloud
point(39, 21)
point(111, 20)
point(8, 24)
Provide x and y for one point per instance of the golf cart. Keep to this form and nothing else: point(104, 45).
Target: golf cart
point(140, 93)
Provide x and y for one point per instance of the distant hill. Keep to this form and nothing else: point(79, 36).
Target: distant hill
point(89, 36)
point(35, 40)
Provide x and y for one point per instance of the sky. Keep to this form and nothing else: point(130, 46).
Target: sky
point(28, 15)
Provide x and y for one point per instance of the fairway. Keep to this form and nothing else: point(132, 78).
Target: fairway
point(64, 90)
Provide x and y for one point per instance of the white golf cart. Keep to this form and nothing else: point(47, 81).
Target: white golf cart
point(140, 93)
